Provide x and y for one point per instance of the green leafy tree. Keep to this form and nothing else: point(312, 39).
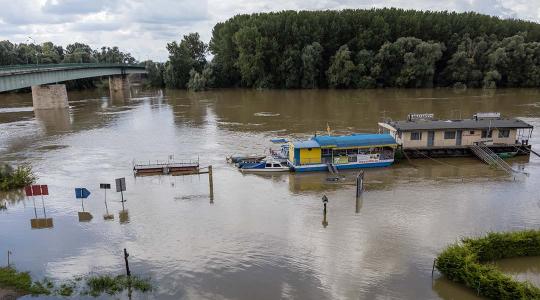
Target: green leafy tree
point(155, 73)
point(183, 57)
point(311, 65)
point(342, 70)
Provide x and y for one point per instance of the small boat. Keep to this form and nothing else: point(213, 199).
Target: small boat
point(267, 165)
point(505, 155)
point(279, 141)
point(235, 159)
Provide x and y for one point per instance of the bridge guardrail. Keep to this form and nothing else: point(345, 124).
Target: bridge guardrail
point(10, 69)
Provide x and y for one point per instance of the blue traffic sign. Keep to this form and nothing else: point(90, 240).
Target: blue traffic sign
point(82, 193)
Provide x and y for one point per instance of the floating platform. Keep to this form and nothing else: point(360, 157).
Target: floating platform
point(172, 168)
point(463, 151)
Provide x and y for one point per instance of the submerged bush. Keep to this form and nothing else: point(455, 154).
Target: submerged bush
point(22, 282)
point(112, 285)
point(11, 178)
point(464, 263)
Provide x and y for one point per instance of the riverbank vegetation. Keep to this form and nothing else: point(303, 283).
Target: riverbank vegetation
point(15, 178)
point(357, 49)
point(467, 263)
point(21, 283)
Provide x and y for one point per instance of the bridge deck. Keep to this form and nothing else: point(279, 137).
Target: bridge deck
point(21, 76)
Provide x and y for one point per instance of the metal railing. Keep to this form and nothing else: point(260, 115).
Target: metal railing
point(491, 158)
point(13, 69)
point(89, 65)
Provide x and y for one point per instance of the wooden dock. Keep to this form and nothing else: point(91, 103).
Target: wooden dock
point(166, 168)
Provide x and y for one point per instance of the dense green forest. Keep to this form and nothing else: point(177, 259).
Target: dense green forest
point(49, 53)
point(356, 49)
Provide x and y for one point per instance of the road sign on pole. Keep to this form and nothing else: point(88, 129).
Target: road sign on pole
point(36, 190)
point(105, 186)
point(120, 184)
point(81, 193)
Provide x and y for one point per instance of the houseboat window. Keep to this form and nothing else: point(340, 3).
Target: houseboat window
point(504, 133)
point(276, 166)
point(325, 151)
point(471, 132)
point(487, 134)
point(449, 135)
point(268, 165)
point(416, 135)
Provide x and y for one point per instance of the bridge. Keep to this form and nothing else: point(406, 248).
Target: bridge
point(44, 79)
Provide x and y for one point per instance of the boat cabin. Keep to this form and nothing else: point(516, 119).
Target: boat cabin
point(321, 153)
point(422, 131)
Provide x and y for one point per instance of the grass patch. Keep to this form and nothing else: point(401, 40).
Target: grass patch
point(22, 282)
point(11, 178)
point(465, 263)
point(98, 285)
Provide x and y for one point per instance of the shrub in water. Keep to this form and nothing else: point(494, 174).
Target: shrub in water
point(463, 263)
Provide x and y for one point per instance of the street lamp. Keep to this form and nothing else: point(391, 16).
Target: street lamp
point(37, 55)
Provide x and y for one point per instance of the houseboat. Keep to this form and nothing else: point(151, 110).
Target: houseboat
point(421, 135)
point(332, 153)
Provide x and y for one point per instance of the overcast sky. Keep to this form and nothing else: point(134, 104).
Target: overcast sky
point(144, 27)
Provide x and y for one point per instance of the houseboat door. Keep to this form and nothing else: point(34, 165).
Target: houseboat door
point(430, 138)
point(458, 137)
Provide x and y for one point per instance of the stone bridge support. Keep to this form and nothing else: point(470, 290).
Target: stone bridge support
point(119, 86)
point(52, 96)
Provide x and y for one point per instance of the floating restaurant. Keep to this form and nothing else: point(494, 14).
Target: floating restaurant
point(332, 153)
point(422, 135)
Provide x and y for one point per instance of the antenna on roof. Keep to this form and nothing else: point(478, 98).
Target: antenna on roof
point(328, 129)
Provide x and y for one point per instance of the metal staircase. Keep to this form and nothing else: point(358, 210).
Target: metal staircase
point(332, 169)
point(491, 158)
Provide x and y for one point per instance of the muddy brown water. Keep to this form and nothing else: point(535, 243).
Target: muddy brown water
point(261, 237)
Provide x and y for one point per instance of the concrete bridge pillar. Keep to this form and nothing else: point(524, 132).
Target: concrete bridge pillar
point(49, 96)
point(119, 86)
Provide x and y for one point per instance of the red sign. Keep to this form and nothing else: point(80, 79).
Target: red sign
point(44, 190)
point(36, 190)
point(28, 191)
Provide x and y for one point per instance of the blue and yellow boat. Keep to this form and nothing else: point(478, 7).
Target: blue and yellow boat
point(356, 151)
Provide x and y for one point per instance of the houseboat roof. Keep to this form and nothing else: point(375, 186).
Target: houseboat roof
point(346, 141)
point(458, 124)
point(306, 144)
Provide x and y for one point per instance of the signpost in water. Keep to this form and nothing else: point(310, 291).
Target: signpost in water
point(39, 190)
point(106, 186)
point(83, 193)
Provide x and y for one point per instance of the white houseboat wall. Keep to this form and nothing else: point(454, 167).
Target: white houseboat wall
point(421, 135)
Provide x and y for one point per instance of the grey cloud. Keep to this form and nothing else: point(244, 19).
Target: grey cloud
point(78, 7)
point(95, 26)
point(169, 12)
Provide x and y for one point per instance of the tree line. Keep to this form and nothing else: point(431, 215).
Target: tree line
point(356, 49)
point(49, 53)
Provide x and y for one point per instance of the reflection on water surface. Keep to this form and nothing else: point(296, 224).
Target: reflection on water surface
point(262, 236)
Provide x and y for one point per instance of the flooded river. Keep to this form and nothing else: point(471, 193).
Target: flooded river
point(261, 237)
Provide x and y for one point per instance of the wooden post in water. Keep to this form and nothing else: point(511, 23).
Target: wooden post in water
point(8, 262)
point(211, 183)
point(128, 273)
point(359, 184)
point(433, 268)
point(325, 221)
